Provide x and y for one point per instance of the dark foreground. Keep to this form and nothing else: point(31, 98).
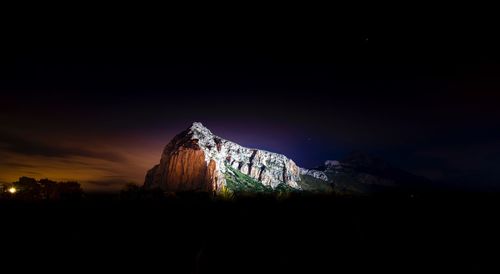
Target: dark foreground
point(306, 235)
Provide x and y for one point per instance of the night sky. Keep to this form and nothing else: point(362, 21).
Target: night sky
point(98, 106)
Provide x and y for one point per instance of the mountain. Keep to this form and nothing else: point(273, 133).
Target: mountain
point(360, 173)
point(198, 160)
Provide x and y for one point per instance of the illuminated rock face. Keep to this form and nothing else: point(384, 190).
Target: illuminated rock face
point(197, 160)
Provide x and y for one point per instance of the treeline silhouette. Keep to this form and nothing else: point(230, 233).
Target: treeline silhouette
point(29, 189)
point(133, 192)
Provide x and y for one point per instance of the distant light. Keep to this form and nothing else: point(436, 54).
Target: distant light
point(12, 190)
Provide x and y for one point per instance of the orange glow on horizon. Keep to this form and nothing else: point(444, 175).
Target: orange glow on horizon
point(92, 172)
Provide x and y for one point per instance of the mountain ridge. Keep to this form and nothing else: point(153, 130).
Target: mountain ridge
point(198, 160)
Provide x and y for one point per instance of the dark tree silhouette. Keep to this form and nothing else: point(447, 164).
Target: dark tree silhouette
point(27, 188)
point(131, 191)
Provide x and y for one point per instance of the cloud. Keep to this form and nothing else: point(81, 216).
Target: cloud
point(28, 147)
point(33, 173)
point(18, 165)
point(98, 163)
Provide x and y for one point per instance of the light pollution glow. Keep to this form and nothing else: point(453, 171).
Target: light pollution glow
point(129, 160)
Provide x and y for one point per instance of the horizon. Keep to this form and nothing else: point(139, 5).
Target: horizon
point(118, 184)
point(104, 113)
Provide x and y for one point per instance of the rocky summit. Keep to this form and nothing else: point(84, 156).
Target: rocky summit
point(198, 160)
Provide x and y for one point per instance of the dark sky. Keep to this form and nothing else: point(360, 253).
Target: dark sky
point(98, 104)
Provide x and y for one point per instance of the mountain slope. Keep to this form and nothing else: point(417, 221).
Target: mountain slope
point(198, 160)
point(361, 173)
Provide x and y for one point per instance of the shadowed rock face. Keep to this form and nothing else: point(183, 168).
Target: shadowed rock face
point(196, 160)
point(183, 167)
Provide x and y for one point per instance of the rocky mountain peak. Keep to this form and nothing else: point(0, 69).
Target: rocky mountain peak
point(217, 161)
point(332, 163)
point(198, 129)
point(198, 160)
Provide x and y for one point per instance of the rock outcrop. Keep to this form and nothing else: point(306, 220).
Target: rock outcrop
point(197, 160)
point(314, 173)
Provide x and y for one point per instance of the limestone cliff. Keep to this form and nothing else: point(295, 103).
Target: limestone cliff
point(197, 160)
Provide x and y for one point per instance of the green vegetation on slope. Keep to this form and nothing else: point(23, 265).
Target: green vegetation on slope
point(238, 182)
point(311, 184)
point(338, 183)
point(350, 183)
